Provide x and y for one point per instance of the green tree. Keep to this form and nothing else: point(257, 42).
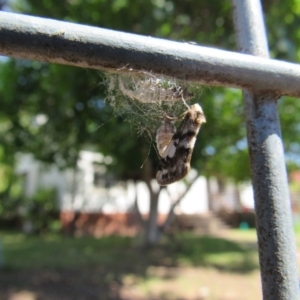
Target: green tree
point(72, 100)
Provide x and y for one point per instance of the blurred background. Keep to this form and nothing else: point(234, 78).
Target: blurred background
point(80, 218)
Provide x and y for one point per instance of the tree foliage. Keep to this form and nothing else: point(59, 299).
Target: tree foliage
point(74, 111)
point(54, 111)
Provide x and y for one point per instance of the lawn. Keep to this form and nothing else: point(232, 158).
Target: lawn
point(184, 267)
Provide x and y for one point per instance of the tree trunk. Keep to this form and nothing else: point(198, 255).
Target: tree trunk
point(152, 232)
point(171, 213)
point(152, 229)
point(210, 197)
point(237, 198)
point(221, 185)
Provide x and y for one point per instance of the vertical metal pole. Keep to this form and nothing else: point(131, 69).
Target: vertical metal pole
point(277, 249)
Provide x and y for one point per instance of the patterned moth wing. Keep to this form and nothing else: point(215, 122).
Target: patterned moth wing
point(164, 135)
point(175, 162)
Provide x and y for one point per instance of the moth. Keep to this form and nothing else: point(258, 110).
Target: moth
point(175, 159)
point(164, 135)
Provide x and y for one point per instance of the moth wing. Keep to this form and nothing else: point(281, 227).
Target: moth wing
point(164, 136)
point(171, 149)
point(175, 163)
point(173, 166)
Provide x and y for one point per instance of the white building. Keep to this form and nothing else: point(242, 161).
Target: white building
point(90, 189)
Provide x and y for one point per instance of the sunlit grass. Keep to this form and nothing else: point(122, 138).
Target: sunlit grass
point(194, 283)
point(186, 265)
point(243, 235)
point(32, 252)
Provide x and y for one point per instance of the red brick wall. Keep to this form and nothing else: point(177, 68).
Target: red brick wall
point(98, 224)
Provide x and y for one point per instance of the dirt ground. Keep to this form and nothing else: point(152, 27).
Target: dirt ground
point(176, 283)
point(50, 285)
point(198, 284)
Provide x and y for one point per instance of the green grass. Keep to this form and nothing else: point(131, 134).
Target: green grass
point(216, 252)
point(243, 235)
point(52, 252)
point(58, 265)
point(297, 228)
point(60, 252)
point(178, 267)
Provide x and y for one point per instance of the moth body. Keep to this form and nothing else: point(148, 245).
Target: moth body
point(175, 159)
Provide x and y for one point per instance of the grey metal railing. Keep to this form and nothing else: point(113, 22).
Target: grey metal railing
point(90, 47)
point(263, 81)
point(277, 248)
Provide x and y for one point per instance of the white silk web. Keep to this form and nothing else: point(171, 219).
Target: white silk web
point(144, 99)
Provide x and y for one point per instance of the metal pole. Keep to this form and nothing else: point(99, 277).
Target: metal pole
point(277, 249)
point(90, 47)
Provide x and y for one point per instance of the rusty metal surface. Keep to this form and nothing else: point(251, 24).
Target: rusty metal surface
point(277, 248)
point(90, 47)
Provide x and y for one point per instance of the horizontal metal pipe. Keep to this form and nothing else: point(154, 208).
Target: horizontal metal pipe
point(90, 47)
